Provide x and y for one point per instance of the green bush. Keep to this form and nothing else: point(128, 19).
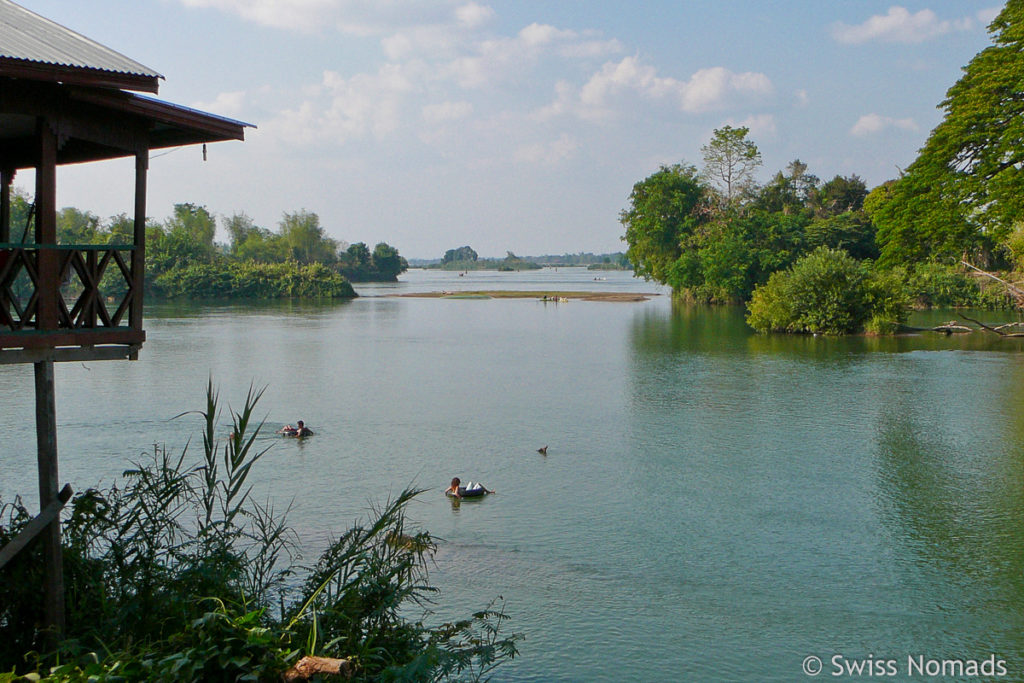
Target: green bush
point(250, 279)
point(828, 292)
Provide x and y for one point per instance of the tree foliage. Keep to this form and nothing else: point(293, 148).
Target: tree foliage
point(965, 190)
point(825, 292)
point(730, 160)
point(665, 209)
point(461, 254)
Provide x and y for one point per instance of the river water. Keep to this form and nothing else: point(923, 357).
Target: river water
point(714, 505)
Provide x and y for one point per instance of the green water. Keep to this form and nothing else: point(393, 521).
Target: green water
point(714, 505)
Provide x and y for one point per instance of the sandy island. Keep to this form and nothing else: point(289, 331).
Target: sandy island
point(540, 295)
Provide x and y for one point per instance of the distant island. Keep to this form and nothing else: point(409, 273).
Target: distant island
point(466, 258)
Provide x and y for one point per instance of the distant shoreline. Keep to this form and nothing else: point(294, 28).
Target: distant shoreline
point(541, 295)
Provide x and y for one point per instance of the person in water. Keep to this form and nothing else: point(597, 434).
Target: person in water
point(302, 430)
point(287, 430)
point(457, 490)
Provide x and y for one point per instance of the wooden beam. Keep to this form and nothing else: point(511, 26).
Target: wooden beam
point(46, 438)
point(80, 354)
point(38, 524)
point(78, 337)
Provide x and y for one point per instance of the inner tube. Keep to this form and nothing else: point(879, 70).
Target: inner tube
point(471, 491)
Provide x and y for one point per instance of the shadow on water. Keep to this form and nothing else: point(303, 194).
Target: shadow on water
point(693, 328)
point(248, 307)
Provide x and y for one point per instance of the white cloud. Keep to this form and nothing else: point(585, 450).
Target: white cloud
point(446, 111)
point(548, 153)
point(760, 125)
point(707, 89)
point(898, 25)
point(358, 17)
point(985, 16)
point(225, 104)
point(802, 98)
point(870, 124)
point(343, 109)
point(473, 15)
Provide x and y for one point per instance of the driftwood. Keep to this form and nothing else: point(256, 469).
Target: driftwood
point(307, 667)
point(998, 329)
point(1013, 290)
point(951, 327)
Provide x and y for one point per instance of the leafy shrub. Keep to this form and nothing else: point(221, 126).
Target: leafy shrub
point(249, 279)
point(827, 292)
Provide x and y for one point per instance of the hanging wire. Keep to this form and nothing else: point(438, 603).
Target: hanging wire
point(163, 154)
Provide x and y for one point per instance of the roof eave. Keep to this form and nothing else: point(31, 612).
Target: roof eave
point(71, 75)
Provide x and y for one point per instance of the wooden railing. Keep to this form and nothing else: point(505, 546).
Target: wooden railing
point(93, 294)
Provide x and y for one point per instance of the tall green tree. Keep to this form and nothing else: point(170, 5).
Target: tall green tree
point(306, 239)
point(461, 254)
point(665, 209)
point(965, 190)
point(387, 262)
point(730, 160)
point(78, 227)
point(249, 242)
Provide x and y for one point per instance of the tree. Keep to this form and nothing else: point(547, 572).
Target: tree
point(306, 240)
point(827, 292)
point(789, 193)
point(461, 254)
point(664, 209)
point(387, 262)
point(965, 190)
point(730, 160)
point(193, 224)
point(839, 195)
point(851, 231)
point(253, 243)
point(77, 227)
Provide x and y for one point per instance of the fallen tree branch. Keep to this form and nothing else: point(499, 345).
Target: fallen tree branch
point(998, 330)
point(951, 327)
point(307, 667)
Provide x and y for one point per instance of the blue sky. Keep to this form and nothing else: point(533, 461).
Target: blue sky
point(514, 125)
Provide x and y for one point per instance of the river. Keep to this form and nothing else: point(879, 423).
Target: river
point(714, 504)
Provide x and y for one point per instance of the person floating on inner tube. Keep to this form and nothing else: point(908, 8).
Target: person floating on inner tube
point(302, 430)
point(287, 430)
point(457, 490)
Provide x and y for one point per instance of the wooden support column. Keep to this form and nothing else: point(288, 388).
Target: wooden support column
point(49, 489)
point(139, 240)
point(46, 227)
point(6, 178)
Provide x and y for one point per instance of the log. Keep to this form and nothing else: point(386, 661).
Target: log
point(307, 667)
point(998, 330)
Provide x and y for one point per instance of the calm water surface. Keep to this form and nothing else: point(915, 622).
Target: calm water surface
point(714, 505)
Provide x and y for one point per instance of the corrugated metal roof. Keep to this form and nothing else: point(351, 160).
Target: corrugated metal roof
point(27, 36)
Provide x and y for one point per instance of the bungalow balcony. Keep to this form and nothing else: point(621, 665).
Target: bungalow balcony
point(70, 302)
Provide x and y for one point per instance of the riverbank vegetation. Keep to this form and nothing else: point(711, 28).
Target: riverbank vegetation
point(183, 260)
point(833, 257)
point(178, 573)
point(466, 258)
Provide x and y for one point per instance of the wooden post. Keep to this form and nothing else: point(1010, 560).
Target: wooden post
point(6, 178)
point(46, 438)
point(48, 288)
point(138, 267)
